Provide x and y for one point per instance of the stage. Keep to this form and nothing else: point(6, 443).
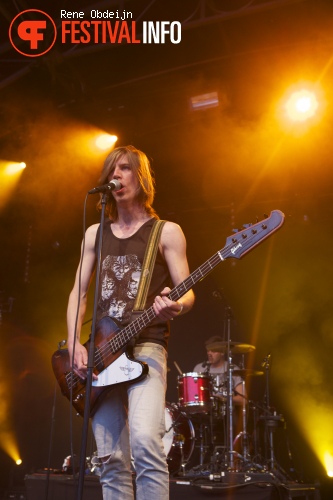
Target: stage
point(228, 485)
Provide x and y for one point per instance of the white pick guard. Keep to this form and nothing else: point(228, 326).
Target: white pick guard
point(123, 369)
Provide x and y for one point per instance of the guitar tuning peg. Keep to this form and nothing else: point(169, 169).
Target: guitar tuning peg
point(235, 230)
point(247, 225)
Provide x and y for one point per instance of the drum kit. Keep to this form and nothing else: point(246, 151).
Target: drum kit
point(200, 437)
point(200, 434)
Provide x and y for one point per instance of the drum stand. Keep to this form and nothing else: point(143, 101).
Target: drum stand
point(230, 434)
point(243, 434)
point(202, 441)
point(230, 426)
point(231, 453)
point(271, 421)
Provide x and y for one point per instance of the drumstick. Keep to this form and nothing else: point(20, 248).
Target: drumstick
point(176, 365)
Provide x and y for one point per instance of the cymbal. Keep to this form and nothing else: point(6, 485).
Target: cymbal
point(237, 347)
point(247, 372)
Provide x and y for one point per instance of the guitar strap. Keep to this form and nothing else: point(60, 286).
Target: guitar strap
point(148, 264)
point(146, 274)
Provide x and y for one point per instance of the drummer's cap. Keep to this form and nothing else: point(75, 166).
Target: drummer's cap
point(215, 344)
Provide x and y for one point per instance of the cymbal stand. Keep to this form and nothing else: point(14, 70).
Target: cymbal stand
point(230, 429)
point(266, 365)
point(202, 442)
point(243, 434)
point(271, 421)
point(254, 409)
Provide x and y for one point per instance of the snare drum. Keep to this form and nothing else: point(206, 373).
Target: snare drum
point(194, 392)
point(178, 439)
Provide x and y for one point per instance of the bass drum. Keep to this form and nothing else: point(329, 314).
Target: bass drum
point(178, 439)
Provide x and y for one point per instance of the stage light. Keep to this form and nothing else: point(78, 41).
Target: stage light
point(8, 443)
point(10, 173)
point(328, 461)
point(204, 101)
point(14, 168)
point(105, 141)
point(301, 105)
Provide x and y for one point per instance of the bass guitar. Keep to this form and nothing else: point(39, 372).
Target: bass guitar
point(112, 363)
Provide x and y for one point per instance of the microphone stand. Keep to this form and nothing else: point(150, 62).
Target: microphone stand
point(47, 483)
point(90, 365)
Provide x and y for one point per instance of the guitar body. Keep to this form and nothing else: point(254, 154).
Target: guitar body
point(112, 368)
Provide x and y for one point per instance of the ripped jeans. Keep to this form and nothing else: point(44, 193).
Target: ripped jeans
point(131, 438)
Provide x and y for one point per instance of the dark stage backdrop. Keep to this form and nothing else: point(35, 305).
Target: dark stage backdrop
point(215, 171)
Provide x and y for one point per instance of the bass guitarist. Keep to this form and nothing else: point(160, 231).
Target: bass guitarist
point(129, 420)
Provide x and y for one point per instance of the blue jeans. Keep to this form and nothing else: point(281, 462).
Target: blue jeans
point(130, 437)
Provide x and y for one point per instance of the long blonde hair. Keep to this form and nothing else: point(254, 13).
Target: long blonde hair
point(141, 167)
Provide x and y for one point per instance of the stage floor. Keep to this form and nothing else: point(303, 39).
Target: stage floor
point(225, 485)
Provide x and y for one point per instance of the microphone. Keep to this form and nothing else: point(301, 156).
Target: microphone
point(105, 188)
point(205, 364)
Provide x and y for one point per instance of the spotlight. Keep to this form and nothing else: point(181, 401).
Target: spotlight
point(328, 460)
point(18, 461)
point(105, 141)
point(301, 105)
point(10, 174)
point(14, 168)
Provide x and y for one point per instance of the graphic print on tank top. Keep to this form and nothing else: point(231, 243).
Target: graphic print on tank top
point(120, 278)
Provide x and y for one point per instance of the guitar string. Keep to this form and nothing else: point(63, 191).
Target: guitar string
point(115, 343)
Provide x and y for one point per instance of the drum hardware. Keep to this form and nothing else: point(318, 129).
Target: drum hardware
point(230, 425)
point(203, 442)
point(237, 348)
point(206, 407)
point(267, 417)
point(178, 439)
point(244, 434)
point(219, 406)
point(203, 396)
point(270, 420)
point(229, 348)
point(248, 373)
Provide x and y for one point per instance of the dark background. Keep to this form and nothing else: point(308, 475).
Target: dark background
point(215, 170)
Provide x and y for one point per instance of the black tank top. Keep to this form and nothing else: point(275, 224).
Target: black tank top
point(121, 264)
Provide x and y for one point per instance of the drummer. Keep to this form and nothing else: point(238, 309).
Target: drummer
point(217, 367)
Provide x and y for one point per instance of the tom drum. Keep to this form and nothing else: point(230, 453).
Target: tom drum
point(194, 392)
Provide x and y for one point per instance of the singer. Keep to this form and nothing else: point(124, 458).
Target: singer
point(129, 422)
